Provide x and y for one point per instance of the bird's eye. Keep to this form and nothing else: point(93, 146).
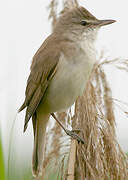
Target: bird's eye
point(83, 23)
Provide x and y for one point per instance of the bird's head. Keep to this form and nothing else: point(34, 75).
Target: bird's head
point(80, 22)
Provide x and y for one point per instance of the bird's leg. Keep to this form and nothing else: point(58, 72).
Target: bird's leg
point(72, 133)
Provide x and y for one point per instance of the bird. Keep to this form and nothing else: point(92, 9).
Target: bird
point(59, 73)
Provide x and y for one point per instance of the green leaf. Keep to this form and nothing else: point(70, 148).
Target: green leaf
point(2, 167)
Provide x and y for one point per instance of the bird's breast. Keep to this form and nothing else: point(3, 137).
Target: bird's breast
point(68, 83)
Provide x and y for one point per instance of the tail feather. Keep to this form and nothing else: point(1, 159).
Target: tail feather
point(39, 143)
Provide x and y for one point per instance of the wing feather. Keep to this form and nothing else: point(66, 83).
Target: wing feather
point(43, 68)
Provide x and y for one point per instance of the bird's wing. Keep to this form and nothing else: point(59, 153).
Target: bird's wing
point(43, 68)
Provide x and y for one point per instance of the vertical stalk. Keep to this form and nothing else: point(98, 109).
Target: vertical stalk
point(72, 160)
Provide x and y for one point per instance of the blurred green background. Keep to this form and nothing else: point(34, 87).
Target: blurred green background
point(15, 171)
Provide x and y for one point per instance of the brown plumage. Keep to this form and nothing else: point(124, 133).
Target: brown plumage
point(42, 70)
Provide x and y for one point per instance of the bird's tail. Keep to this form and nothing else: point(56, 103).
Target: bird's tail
point(39, 126)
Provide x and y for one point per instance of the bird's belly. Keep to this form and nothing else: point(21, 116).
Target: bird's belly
point(68, 83)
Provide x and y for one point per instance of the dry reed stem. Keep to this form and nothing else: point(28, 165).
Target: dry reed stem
point(72, 160)
point(53, 11)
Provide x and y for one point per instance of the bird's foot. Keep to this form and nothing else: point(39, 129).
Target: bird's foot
point(74, 135)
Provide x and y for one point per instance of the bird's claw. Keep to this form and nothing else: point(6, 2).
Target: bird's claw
point(74, 135)
point(76, 130)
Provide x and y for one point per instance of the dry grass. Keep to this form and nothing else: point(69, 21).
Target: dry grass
point(101, 157)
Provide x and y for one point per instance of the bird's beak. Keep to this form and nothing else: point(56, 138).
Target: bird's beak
point(104, 22)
